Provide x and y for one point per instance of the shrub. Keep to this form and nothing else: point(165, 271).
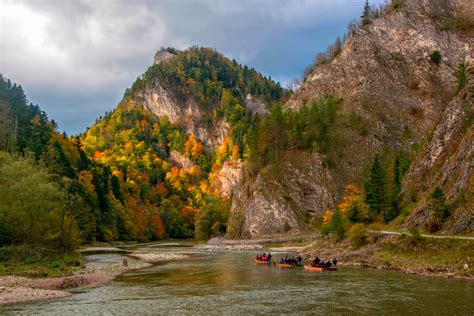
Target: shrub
point(338, 225)
point(462, 72)
point(436, 57)
point(395, 4)
point(358, 235)
point(432, 226)
point(235, 229)
point(358, 123)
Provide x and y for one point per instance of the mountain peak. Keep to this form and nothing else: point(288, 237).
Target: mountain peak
point(163, 55)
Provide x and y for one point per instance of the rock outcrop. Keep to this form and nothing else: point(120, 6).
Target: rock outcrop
point(386, 74)
point(228, 178)
point(284, 196)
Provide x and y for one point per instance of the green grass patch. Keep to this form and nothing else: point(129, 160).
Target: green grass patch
point(37, 263)
point(414, 250)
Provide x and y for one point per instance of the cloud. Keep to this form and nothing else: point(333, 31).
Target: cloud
point(75, 58)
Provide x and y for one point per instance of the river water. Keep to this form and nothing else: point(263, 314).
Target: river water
point(223, 282)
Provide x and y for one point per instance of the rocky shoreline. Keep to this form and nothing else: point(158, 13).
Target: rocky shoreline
point(372, 256)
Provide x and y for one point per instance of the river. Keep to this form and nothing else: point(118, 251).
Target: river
point(225, 282)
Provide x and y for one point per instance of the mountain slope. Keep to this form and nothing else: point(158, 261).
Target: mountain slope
point(393, 90)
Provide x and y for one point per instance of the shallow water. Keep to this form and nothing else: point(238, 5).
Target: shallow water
point(231, 283)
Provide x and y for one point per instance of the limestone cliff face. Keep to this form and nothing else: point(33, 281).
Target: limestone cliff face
point(386, 76)
point(284, 196)
point(160, 102)
point(228, 178)
point(448, 162)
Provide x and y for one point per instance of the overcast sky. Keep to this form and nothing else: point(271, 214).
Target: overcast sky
point(75, 58)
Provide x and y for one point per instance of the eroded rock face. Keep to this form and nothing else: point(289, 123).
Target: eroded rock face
point(255, 105)
point(447, 162)
point(179, 160)
point(158, 101)
point(162, 56)
point(228, 178)
point(283, 197)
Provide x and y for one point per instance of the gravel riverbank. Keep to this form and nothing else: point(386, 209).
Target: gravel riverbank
point(15, 289)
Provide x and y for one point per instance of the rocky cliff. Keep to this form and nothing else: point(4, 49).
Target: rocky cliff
point(447, 162)
point(284, 196)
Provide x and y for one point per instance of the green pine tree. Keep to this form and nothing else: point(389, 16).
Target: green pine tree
point(366, 13)
point(375, 189)
point(437, 204)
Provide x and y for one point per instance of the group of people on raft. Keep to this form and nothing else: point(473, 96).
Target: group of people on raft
point(321, 263)
point(292, 260)
point(316, 262)
point(264, 257)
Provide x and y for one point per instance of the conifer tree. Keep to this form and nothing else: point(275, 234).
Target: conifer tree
point(375, 189)
point(366, 13)
point(437, 204)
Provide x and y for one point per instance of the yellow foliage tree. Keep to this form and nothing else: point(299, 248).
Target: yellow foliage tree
point(327, 216)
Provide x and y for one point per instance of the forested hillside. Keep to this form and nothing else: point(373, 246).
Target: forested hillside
point(160, 168)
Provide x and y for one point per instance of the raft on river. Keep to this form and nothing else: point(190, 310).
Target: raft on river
point(262, 261)
point(320, 268)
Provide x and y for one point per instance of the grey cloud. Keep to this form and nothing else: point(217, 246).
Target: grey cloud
point(75, 58)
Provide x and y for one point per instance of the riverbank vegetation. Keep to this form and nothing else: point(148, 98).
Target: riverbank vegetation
point(408, 253)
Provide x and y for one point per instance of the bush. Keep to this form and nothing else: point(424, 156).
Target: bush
point(337, 226)
point(432, 226)
point(358, 235)
point(436, 57)
point(212, 218)
point(395, 4)
point(462, 72)
point(235, 229)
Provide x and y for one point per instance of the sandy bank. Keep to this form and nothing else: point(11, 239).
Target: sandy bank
point(159, 257)
point(102, 249)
